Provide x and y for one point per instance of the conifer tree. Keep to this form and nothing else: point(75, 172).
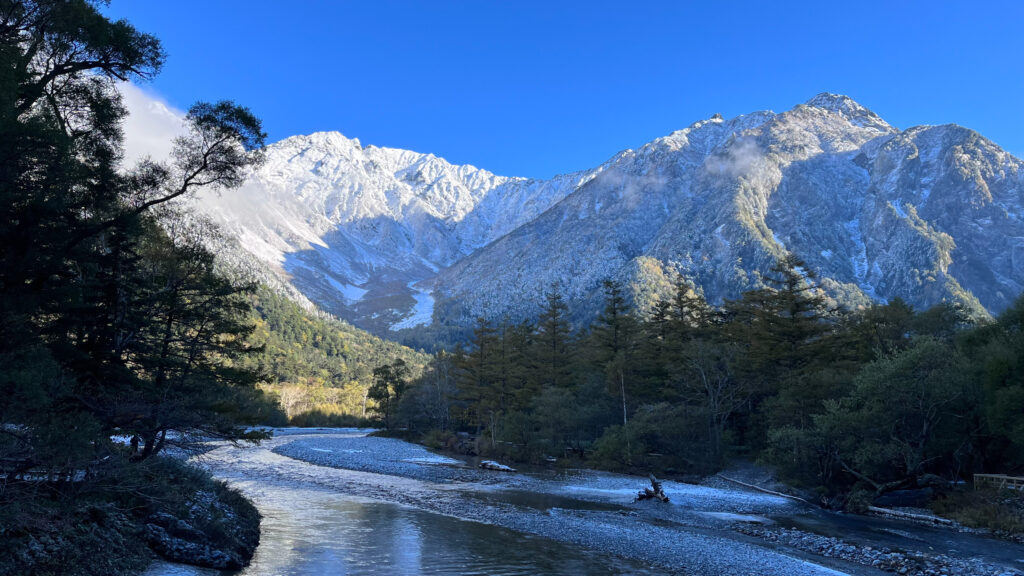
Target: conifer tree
point(390, 382)
point(614, 347)
point(479, 371)
point(780, 329)
point(688, 308)
point(552, 340)
point(521, 379)
point(656, 347)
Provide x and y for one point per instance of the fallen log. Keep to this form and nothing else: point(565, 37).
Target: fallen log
point(655, 492)
point(765, 490)
point(909, 516)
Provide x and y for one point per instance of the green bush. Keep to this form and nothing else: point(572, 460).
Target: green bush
point(440, 440)
point(673, 439)
point(619, 449)
point(859, 500)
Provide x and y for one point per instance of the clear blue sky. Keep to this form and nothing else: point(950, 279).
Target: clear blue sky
point(537, 88)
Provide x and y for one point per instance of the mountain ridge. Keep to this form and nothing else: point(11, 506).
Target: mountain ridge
point(393, 240)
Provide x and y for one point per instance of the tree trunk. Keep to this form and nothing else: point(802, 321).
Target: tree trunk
point(625, 423)
point(493, 426)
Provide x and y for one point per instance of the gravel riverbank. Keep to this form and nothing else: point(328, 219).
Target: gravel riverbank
point(904, 563)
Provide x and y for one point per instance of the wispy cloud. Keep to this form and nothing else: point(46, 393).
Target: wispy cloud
point(151, 126)
point(630, 186)
point(741, 158)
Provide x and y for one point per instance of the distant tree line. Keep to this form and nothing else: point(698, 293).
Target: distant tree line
point(862, 402)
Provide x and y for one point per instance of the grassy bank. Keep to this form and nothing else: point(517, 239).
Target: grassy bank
point(1001, 512)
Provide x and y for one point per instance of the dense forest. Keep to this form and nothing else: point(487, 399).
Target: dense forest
point(319, 368)
point(854, 404)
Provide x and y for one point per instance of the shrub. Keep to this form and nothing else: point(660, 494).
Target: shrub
point(327, 418)
point(998, 511)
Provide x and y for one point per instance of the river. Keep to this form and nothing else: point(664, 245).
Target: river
point(338, 502)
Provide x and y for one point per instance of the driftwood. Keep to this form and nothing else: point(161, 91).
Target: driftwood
point(655, 492)
point(765, 490)
point(910, 516)
point(492, 465)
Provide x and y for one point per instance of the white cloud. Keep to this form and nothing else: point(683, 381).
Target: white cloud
point(742, 158)
point(151, 126)
point(631, 187)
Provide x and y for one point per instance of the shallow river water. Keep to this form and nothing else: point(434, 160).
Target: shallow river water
point(314, 532)
point(336, 502)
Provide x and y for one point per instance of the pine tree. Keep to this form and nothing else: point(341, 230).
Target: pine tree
point(655, 354)
point(390, 382)
point(780, 329)
point(479, 371)
point(552, 341)
point(688, 308)
point(519, 346)
point(614, 347)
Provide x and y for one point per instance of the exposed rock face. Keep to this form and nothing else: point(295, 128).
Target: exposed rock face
point(390, 239)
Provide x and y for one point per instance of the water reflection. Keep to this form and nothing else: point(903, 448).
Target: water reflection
point(311, 532)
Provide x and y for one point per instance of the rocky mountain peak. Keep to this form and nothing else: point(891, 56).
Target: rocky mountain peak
point(394, 240)
point(837, 103)
point(849, 109)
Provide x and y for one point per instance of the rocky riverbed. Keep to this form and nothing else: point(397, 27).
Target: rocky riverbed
point(705, 530)
point(118, 524)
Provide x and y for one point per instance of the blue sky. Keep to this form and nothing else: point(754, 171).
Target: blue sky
point(538, 88)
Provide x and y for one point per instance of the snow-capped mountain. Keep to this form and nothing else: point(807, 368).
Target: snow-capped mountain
point(355, 229)
point(391, 239)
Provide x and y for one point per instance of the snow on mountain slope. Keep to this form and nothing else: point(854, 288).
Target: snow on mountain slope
point(354, 229)
point(392, 240)
point(929, 214)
